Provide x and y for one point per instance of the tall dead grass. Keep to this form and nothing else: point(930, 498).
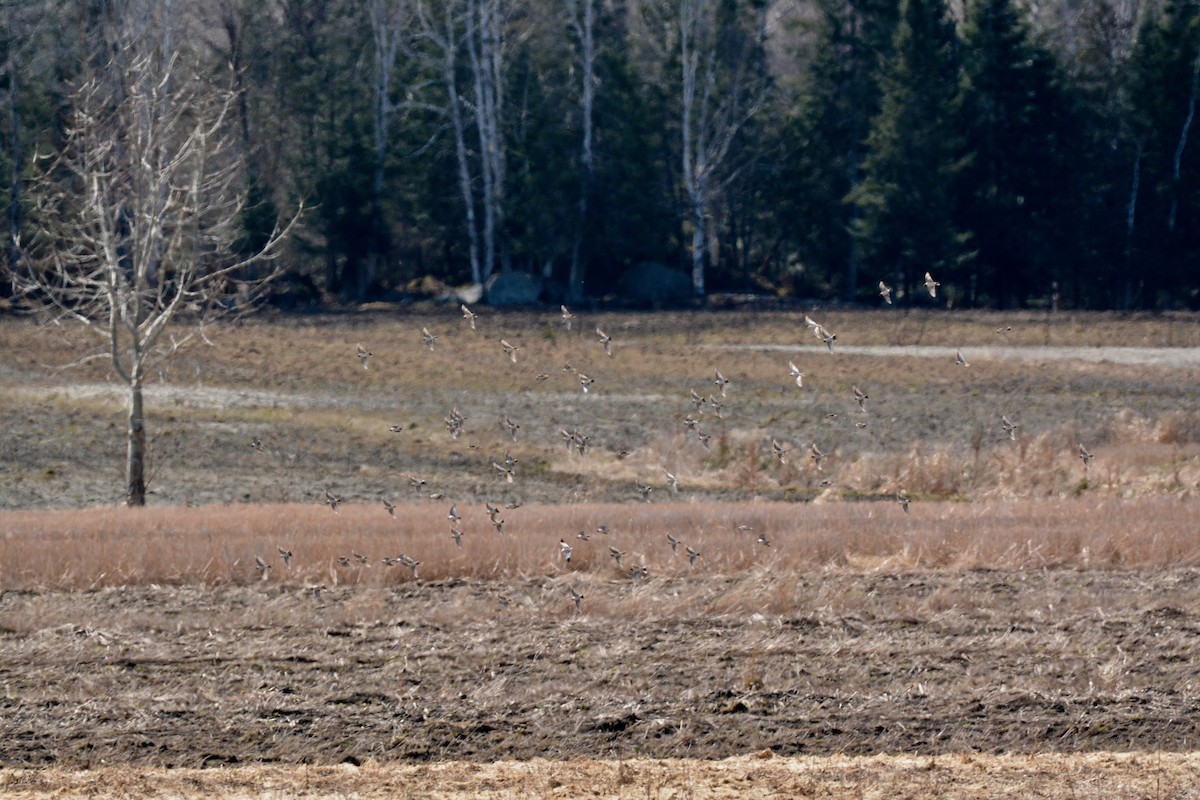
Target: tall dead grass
point(218, 545)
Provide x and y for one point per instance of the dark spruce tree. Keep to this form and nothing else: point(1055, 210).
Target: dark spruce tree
point(906, 199)
point(1014, 132)
point(823, 145)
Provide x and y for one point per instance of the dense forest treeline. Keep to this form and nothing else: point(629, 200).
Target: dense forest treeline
point(1026, 154)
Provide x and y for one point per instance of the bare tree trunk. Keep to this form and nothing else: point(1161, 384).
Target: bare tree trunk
point(585, 30)
point(484, 52)
point(1183, 136)
point(135, 459)
point(1130, 218)
point(699, 237)
point(14, 154)
point(444, 36)
point(690, 16)
point(387, 24)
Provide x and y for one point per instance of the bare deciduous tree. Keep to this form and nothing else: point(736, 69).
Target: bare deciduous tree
point(390, 20)
point(584, 26)
point(138, 216)
point(721, 91)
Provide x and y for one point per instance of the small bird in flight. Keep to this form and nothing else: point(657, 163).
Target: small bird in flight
point(692, 555)
point(1009, 427)
point(456, 534)
point(512, 427)
point(605, 340)
point(616, 554)
point(716, 405)
point(672, 481)
point(364, 355)
point(861, 398)
point(931, 285)
point(796, 373)
point(511, 350)
point(390, 507)
point(959, 360)
point(332, 500)
point(816, 455)
point(1085, 457)
point(565, 549)
point(567, 316)
point(644, 490)
point(585, 382)
point(262, 567)
point(469, 315)
point(577, 598)
point(428, 338)
point(902, 499)
point(671, 540)
point(885, 292)
point(286, 555)
point(813, 326)
point(720, 380)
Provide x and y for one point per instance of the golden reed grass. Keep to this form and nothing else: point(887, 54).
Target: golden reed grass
point(215, 545)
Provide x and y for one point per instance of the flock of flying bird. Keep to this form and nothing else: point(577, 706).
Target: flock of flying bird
point(578, 442)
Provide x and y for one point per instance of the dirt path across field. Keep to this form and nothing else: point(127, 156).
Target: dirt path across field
point(1170, 357)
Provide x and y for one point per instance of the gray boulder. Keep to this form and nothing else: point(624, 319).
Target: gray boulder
point(653, 284)
point(512, 289)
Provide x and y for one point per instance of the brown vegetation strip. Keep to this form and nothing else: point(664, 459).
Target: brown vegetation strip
point(977, 777)
point(97, 547)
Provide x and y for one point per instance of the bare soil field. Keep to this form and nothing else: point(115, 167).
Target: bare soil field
point(920, 663)
point(1026, 628)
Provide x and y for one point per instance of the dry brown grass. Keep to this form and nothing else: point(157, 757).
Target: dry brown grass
point(975, 776)
point(83, 549)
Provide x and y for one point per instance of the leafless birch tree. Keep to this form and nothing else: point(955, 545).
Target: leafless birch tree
point(720, 92)
point(485, 53)
point(584, 26)
point(471, 29)
point(138, 215)
point(390, 21)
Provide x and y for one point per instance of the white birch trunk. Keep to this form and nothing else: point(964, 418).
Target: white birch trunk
point(585, 31)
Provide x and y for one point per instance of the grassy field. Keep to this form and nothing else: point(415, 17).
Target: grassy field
point(931, 428)
point(1025, 602)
